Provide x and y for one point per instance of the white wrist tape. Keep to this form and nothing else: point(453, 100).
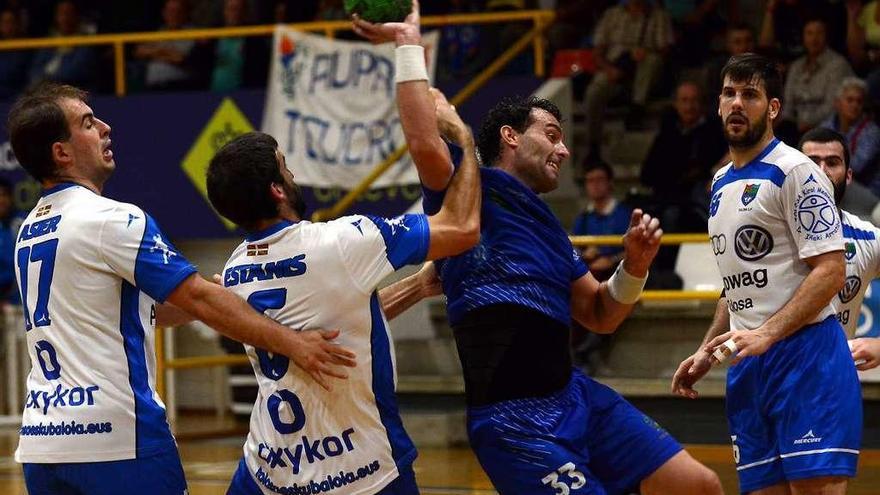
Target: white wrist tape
point(728, 348)
point(409, 64)
point(625, 288)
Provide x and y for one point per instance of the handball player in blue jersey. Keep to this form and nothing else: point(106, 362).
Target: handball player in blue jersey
point(537, 426)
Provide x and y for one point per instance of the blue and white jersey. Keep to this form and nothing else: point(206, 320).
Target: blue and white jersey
point(765, 218)
point(324, 275)
point(862, 253)
point(90, 271)
point(524, 256)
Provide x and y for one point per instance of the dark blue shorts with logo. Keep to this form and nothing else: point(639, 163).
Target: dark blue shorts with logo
point(584, 439)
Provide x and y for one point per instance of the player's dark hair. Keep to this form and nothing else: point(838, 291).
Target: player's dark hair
point(825, 135)
point(514, 111)
point(750, 67)
point(36, 122)
point(599, 165)
point(239, 177)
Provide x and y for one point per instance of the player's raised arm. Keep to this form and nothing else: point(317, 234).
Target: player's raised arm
point(601, 307)
point(456, 227)
point(427, 149)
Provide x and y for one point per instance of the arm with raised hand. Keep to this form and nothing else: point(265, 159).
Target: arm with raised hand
point(601, 307)
point(426, 147)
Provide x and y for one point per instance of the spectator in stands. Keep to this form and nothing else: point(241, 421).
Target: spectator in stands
point(22, 14)
point(574, 23)
point(331, 10)
point(695, 23)
point(462, 51)
point(285, 11)
point(168, 63)
point(811, 84)
point(67, 65)
point(604, 216)
point(7, 244)
point(681, 160)
point(13, 63)
point(239, 62)
point(861, 133)
point(631, 41)
point(863, 42)
point(738, 39)
point(784, 21)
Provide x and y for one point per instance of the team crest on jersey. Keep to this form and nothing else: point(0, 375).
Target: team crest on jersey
point(43, 210)
point(257, 249)
point(713, 206)
point(159, 245)
point(850, 250)
point(750, 193)
point(850, 289)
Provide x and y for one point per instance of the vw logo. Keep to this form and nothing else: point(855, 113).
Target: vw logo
point(850, 289)
point(752, 243)
point(719, 244)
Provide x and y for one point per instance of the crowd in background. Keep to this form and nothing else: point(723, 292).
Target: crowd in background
point(642, 50)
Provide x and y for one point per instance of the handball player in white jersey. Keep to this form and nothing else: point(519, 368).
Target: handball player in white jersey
point(828, 149)
point(304, 439)
point(793, 396)
point(92, 273)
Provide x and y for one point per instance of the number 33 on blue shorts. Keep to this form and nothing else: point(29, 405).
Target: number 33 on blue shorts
point(583, 440)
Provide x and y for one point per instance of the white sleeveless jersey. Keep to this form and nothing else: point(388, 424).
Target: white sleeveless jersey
point(765, 218)
point(862, 242)
point(324, 275)
point(89, 271)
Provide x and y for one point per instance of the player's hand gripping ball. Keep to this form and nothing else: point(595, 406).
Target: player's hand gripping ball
point(379, 10)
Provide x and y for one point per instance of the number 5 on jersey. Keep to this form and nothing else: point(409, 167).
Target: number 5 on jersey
point(44, 252)
point(552, 479)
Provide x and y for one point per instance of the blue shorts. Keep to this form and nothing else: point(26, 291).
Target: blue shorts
point(159, 474)
point(243, 483)
point(795, 412)
point(585, 437)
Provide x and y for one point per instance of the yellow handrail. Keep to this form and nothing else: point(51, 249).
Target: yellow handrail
point(586, 240)
point(617, 240)
point(466, 92)
point(119, 40)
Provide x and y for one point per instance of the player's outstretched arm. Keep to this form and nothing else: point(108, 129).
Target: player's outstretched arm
point(169, 315)
point(313, 351)
point(601, 307)
point(866, 349)
point(417, 113)
point(695, 367)
point(403, 294)
point(826, 278)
